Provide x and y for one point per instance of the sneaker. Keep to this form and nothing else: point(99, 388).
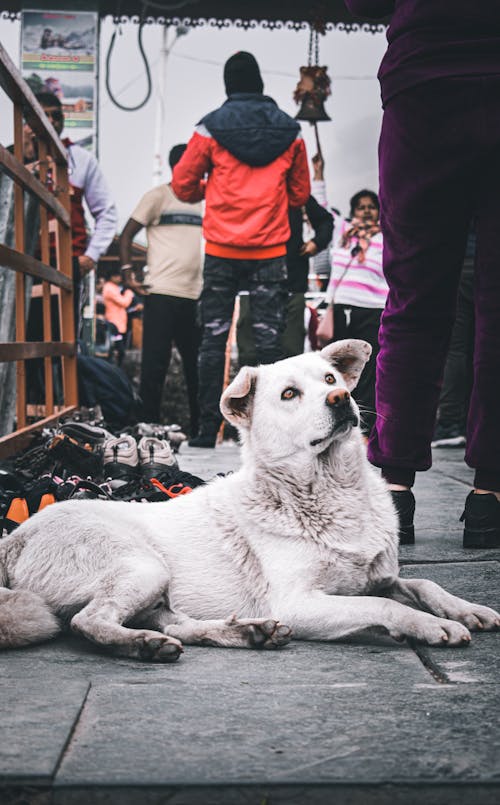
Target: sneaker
point(120, 457)
point(85, 434)
point(173, 475)
point(404, 503)
point(448, 435)
point(203, 440)
point(155, 455)
point(481, 518)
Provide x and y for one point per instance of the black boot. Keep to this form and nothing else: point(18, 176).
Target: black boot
point(481, 518)
point(404, 503)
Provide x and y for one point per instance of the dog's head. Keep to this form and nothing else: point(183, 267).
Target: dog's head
point(299, 404)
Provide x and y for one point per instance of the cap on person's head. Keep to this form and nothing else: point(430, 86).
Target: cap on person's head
point(242, 74)
point(175, 154)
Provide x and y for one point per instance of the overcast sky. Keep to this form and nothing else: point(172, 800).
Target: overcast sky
point(194, 87)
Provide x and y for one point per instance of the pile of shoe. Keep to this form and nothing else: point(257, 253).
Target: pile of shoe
point(83, 460)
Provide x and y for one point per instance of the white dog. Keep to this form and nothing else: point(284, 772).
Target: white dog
point(304, 534)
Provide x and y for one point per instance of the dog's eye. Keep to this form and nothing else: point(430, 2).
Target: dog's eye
point(330, 379)
point(289, 394)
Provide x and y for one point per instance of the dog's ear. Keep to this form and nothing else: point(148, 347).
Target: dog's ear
point(236, 401)
point(349, 357)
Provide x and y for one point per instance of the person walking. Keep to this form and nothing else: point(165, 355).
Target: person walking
point(174, 283)
point(248, 160)
point(439, 166)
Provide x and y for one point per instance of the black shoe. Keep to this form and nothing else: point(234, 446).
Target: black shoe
point(404, 503)
point(448, 435)
point(481, 518)
point(203, 440)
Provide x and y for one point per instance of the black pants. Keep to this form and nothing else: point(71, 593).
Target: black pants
point(361, 322)
point(458, 370)
point(266, 281)
point(169, 320)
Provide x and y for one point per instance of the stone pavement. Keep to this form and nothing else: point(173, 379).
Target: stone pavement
point(361, 722)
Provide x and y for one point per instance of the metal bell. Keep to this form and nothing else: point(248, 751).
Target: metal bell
point(312, 109)
point(311, 92)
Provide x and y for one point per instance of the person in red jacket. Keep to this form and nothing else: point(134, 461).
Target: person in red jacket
point(248, 161)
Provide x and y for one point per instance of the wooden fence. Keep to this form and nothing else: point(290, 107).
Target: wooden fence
point(52, 160)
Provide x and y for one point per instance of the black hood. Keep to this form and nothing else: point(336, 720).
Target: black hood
point(252, 128)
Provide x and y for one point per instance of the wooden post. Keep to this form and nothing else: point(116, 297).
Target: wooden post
point(65, 265)
point(46, 301)
point(20, 279)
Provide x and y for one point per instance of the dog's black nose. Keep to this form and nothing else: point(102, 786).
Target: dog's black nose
point(337, 398)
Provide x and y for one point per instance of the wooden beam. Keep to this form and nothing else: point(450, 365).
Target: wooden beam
point(27, 350)
point(25, 178)
point(14, 442)
point(26, 264)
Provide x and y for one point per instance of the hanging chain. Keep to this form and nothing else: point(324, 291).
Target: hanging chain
point(313, 45)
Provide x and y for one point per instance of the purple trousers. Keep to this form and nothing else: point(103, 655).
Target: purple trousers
point(439, 157)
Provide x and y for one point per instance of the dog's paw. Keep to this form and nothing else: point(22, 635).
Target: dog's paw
point(433, 631)
point(155, 647)
point(477, 618)
point(262, 633)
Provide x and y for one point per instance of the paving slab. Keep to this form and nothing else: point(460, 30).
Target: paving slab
point(36, 717)
point(176, 736)
point(479, 662)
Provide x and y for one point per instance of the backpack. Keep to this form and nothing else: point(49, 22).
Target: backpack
point(102, 383)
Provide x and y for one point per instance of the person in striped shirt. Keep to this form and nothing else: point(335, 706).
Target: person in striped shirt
point(357, 289)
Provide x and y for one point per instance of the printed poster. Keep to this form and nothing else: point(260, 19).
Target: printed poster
point(59, 55)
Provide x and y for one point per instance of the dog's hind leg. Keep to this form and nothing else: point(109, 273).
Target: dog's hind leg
point(429, 596)
point(262, 633)
point(123, 595)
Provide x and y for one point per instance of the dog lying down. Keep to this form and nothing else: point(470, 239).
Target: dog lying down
point(301, 541)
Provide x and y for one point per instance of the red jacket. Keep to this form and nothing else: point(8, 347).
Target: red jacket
point(254, 172)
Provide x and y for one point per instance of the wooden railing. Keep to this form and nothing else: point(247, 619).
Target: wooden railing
point(51, 157)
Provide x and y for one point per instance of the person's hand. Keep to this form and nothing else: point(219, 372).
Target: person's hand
point(29, 144)
point(309, 249)
point(86, 264)
point(130, 281)
point(318, 167)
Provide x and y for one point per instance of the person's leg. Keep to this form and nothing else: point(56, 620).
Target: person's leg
point(295, 331)
point(220, 286)
point(425, 180)
point(457, 380)
point(187, 340)
point(365, 323)
point(267, 285)
point(156, 352)
point(244, 334)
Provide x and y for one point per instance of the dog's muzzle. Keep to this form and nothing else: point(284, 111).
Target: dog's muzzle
point(339, 401)
point(343, 416)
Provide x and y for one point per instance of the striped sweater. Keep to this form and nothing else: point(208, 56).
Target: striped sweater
point(352, 283)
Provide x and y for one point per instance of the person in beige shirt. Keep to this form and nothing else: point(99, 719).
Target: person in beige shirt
point(174, 259)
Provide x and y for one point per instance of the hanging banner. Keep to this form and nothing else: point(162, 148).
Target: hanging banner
point(59, 55)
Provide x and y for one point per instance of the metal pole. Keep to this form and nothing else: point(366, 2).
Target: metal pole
point(159, 142)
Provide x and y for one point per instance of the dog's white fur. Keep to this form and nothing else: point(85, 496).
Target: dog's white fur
point(304, 534)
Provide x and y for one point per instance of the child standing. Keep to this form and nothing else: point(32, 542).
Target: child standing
point(116, 301)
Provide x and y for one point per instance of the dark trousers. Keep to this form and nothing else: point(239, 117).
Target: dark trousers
point(458, 370)
point(361, 322)
point(294, 331)
point(439, 157)
point(266, 282)
point(168, 320)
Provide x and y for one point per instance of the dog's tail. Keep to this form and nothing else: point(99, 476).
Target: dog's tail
point(24, 616)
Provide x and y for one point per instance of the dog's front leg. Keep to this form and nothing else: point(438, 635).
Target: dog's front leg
point(318, 616)
point(426, 595)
